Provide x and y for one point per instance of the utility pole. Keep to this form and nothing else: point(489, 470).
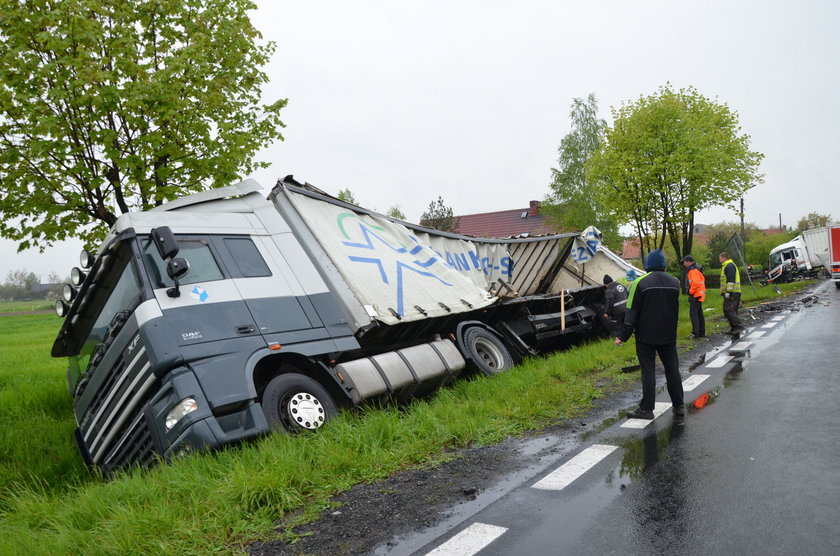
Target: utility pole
point(780, 221)
point(742, 218)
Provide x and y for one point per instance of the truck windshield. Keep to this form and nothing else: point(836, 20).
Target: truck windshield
point(775, 259)
point(122, 296)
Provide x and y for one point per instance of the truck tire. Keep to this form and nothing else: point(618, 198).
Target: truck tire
point(486, 351)
point(294, 403)
point(837, 285)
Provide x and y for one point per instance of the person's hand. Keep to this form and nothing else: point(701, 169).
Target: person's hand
point(617, 341)
point(606, 316)
point(726, 295)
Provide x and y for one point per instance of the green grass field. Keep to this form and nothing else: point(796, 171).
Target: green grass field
point(217, 503)
point(24, 306)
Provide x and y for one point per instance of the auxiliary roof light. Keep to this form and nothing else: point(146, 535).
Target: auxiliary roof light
point(86, 259)
point(61, 308)
point(77, 276)
point(68, 292)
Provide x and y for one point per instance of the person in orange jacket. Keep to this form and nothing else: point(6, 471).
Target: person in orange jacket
point(696, 296)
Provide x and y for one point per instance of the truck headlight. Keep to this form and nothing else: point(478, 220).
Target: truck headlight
point(183, 408)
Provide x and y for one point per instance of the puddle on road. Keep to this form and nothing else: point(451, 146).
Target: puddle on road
point(641, 454)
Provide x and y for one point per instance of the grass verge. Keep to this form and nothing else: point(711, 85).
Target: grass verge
point(217, 503)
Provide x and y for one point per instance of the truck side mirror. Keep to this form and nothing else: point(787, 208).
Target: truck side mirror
point(165, 242)
point(176, 269)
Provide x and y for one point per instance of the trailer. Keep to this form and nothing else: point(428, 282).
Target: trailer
point(226, 314)
point(833, 261)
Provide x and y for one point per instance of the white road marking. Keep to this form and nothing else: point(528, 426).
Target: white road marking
point(769, 325)
point(564, 475)
point(758, 334)
point(719, 361)
point(658, 409)
point(693, 382)
point(740, 346)
point(777, 318)
point(469, 541)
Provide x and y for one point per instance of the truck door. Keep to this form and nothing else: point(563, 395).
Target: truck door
point(210, 307)
point(268, 290)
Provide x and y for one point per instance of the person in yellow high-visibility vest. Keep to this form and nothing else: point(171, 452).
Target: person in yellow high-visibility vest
point(730, 289)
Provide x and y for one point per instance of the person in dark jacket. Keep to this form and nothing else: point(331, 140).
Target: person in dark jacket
point(615, 299)
point(652, 314)
point(696, 285)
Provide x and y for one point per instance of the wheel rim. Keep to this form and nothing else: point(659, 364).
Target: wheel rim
point(489, 353)
point(303, 410)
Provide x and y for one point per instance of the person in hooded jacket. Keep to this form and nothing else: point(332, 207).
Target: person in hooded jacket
point(652, 313)
point(615, 297)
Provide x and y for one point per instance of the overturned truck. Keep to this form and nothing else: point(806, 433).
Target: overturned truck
point(225, 314)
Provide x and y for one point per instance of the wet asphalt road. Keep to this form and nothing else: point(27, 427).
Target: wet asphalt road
point(753, 469)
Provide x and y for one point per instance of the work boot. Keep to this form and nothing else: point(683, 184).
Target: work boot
point(691, 336)
point(640, 413)
point(679, 410)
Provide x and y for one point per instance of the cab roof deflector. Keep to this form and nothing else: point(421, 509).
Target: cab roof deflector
point(240, 189)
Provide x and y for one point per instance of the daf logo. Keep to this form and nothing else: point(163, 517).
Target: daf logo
point(133, 344)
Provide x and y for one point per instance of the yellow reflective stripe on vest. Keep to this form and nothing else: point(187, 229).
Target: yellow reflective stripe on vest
point(724, 286)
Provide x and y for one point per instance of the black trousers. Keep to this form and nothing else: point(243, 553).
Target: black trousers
point(698, 321)
point(730, 310)
point(647, 359)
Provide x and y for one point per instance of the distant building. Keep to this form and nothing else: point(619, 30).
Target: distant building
point(507, 223)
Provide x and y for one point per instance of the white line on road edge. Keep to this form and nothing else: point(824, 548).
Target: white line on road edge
point(718, 361)
point(758, 334)
point(575, 467)
point(469, 541)
point(693, 382)
point(777, 318)
point(769, 325)
point(740, 346)
point(658, 409)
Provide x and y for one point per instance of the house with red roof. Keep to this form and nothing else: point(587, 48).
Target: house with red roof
point(507, 223)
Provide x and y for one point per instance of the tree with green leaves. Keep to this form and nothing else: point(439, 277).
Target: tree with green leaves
point(813, 220)
point(440, 217)
point(107, 107)
point(757, 248)
point(668, 156)
point(573, 202)
point(347, 196)
point(396, 212)
point(719, 235)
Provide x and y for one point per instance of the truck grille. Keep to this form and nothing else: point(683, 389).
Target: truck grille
point(102, 392)
point(113, 422)
point(135, 447)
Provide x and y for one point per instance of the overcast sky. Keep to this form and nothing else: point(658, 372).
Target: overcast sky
point(403, 101)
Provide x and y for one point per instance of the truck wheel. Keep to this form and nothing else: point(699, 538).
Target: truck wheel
point(487, 351)
point(837, 285)
point(294, 403)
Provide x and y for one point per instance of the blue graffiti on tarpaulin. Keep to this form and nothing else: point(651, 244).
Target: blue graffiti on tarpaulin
point(586, 246)
point(369, 235)
point(459, 261)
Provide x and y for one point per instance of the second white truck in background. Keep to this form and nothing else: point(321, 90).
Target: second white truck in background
point(802, 257)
